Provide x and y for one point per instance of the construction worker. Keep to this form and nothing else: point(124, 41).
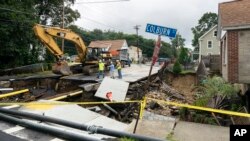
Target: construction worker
point(119, 69)
point(101, 69)
point(112, 70)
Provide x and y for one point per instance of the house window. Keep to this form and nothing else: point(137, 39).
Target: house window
point(215, 33)
point(209, 44)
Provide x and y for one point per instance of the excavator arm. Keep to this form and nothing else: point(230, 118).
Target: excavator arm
point(46, 36)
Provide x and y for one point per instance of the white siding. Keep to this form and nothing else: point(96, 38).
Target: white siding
point(203, 43)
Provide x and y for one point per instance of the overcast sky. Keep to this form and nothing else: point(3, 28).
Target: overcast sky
point(123, 16)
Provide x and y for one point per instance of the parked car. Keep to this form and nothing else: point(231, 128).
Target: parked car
point(162, 60)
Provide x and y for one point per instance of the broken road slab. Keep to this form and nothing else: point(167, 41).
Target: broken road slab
point(150, 122)
point(90, 86)
point(76, 114)
point(118, 88)
point(137, 72)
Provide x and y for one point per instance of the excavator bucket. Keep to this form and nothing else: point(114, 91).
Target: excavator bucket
point(62, 68)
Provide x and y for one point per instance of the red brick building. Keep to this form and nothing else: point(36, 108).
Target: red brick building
point(234, 34)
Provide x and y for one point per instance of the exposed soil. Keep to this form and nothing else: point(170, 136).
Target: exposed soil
point(184, 83)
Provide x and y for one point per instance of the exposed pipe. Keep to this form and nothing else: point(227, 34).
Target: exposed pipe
point(13, 93)
point(46, 129)
point(67, 95)
point(6, 89)
point(110, 108)
point(92, 129)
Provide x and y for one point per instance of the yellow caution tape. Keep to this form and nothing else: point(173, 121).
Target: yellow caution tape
point(14, 93)
point(231, 113)
point(142, 105)
point(67, 103)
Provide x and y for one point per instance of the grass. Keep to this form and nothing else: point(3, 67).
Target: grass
point(187, 71)
point(170, 137)
point(127, 139)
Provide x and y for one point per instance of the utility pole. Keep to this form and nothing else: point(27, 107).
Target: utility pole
point(137, 27)
point(63, 26)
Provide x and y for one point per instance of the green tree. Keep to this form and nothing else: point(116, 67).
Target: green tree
point(19, 45)
point(184, 58)
point(166, 51)
point(206, 22)
point(177, 67)
point(17, 38)
point(177, 42)
point(52, 11)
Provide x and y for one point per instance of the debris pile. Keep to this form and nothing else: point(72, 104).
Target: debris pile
point(51, 87)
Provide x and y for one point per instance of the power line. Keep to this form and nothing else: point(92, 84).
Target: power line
point(100, 13)
point(16, 11)
point(92, 2)
point(108, 14)
point(17, 21)
point(100, 23)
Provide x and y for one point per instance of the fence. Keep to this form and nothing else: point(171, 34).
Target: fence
point(212, 61)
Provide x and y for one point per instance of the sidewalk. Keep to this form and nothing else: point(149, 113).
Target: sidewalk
point(161, 126)
point(189, 131)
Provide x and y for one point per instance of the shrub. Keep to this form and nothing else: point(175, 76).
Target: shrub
point(177, 67)
point(217, 85)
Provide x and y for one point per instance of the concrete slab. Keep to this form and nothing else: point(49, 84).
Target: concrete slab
point(81, 77)
point(118, 88)
point(153, 125)
point(32, 135)
point(7, 137)
point(130, 74)
point(22, 133)
point(137, 72)
point(67, 112)
point(189, 131)
point(5, 125)
point(76, 114)
point(89, 86)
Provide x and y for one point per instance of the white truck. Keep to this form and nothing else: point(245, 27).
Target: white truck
point(123, 56)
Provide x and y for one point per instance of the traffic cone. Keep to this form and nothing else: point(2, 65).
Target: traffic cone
point(109, 95)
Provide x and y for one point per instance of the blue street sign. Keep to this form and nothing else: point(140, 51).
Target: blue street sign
point(160, 30)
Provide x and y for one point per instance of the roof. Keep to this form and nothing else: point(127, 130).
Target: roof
point(113, 44)
point(208, 32)
point(234, 14)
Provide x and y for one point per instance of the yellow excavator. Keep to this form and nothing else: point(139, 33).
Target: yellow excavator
point(47, 34)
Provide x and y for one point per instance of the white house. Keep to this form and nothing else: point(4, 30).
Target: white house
point(134, 52)
point(209, 44)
